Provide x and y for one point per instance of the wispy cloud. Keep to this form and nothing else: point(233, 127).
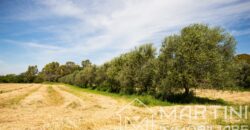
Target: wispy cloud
point(42, 46)
point(100, 30)
point(34, 45)
point(64, 8)
point(241, 32)
point(137, 21)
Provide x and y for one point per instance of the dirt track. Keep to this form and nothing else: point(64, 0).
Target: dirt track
point(38, 106)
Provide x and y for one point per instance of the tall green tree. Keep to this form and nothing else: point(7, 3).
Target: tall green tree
point(86, 77)
point(145, 68)
point(165, 76)
point(101, 78)
point(196, 57)
point(113, 70)
point(68, 68)
point(50, 72)
point(30, 74)
point(243, 71)
point(86, 63)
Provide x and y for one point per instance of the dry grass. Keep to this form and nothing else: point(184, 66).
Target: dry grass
point(59, 107)
point(11, 87)
point(234, 97)
point(54, 97)
point(8, 101)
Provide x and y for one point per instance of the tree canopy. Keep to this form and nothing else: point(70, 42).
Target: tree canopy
point(199, 56)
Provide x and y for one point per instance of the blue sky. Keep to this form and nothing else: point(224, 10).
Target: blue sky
point(36, 32)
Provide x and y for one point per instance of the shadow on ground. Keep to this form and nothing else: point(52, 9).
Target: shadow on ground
point(192, 99)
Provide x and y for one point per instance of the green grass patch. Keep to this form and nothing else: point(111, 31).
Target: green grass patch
point(150, 100)
point(147, 99)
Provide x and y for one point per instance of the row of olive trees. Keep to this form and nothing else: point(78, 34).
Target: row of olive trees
point(199, 56)
point(27, 77)
point(51, 73)
point(121, 74)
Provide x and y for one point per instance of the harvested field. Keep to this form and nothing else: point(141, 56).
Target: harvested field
point(234, 97)
point(11, 87)
point(41, 106)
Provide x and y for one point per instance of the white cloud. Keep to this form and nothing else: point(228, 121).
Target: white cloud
point(42, 46)
point(34, 45)
point(241, 32)
point(106, 28)
point(64, 8)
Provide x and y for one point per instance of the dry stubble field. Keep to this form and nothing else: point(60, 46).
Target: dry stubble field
point(42, 106)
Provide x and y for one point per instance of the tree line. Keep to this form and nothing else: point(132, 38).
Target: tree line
point(199, 56)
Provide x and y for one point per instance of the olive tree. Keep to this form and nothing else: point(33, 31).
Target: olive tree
point(196, 57)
